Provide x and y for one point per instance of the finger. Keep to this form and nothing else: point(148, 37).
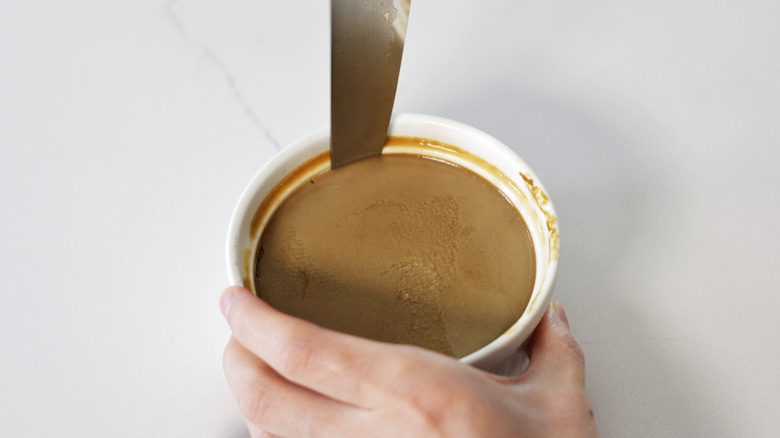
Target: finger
point(255, 432)
point(340, 366)
point(275, 406)
point(553, 352)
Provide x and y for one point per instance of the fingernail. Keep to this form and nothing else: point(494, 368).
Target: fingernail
point(560, 313)
point(225, 299)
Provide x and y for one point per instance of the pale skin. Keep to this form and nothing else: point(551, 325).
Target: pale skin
point(294, 379)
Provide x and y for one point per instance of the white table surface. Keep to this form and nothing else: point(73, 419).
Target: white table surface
point(129, 128)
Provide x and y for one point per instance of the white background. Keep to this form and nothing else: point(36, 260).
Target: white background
point(129, 128)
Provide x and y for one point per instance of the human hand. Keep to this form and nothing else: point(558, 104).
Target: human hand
point(294, 379)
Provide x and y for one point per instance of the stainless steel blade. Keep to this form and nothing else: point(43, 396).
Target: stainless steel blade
point(367, 41)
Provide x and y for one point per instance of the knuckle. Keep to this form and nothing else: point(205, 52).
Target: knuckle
point(296, 355)
point(576, 351)
point(240, 322)
point(433, 409)
point(254, 404)
point(428, 394)
point(231, 357)
point(408, 361)
point(573, 349)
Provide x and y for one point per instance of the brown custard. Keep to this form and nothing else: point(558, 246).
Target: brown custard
point(400, 248)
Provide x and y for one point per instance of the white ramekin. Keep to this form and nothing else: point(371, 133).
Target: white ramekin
point(480, 153)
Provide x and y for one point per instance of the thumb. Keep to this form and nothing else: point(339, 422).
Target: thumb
point(554, 354)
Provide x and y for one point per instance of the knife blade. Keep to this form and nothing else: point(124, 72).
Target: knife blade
point(367, 42)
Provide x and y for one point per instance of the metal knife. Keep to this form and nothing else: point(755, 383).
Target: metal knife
point(367, 41)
